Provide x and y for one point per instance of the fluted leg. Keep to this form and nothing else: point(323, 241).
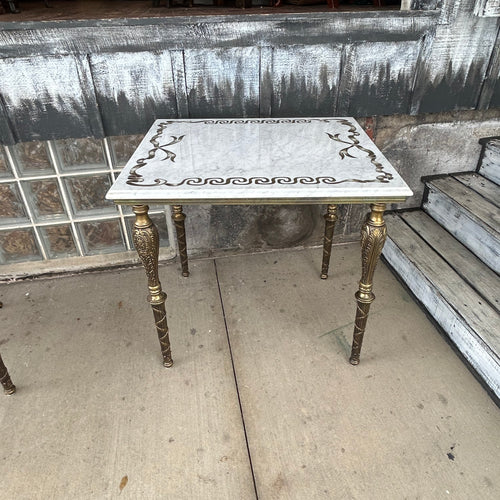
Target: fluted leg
point(147, 244)
point(8, 386)
point(330, 219)
point(373, 235)
point(178, 218)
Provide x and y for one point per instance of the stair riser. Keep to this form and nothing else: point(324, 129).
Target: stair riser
point(490, 162)
point(473, 349)
point(469, 231)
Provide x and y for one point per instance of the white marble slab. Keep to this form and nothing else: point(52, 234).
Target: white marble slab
point(272, 160)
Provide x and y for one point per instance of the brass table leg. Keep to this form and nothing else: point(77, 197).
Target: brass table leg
point(373, 234)
point(178, 218)
point(8, 386)
point(330, 219)
point(147, 244)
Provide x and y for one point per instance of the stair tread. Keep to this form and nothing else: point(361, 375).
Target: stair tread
point(484, 187)
point(482, 318)
point(477, 274)
point(477, 206)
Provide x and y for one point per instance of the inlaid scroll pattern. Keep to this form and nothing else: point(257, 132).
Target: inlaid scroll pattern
point(136, 179)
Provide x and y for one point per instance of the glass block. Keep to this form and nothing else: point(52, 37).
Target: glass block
point(45, 198)
point(11, 207)
point(32, 158)
point(159, 221)
point(87, 193)
point(59, 241)
point(81, 154)
point(18, 245)
point(102, 236)
point(123, 147)
point(4, 166)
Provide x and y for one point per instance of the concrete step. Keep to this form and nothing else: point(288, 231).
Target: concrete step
point(471, 215)
point(448, 281)
point(489, 161)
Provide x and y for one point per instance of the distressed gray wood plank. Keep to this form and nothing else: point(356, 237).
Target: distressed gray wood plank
point(451, 75)
point(179, 79)
point(223, 82)
point(48, 97)
point(469, 217)
point(178, 33)
point(469, 200)
point(319, 428)
point(487, 189)
point(471, 323)
point(6, 135)
point(378, 78)
point(133, 89)
point(479, 276)
point(487, 8)
point(490, 92)
point(304, 80)
point(489, 165)
point(116, 411)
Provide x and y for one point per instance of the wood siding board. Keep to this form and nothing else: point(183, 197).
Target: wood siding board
point(44, 98)
point(425, 4)
point(223, 82)
point(487, 8)
point(133, 90)
point(89, 97)
point(346, 81)
point(265, 82)
point(450, 10)
point(305, 80)
point(381, 77)
point(452, 75)
point(490, 91)
point(489, 164)
point(179, 33)
point(179, 79)
point(425, 50)
point(6, 135)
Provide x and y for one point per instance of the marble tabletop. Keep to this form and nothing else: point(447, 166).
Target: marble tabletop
point(255, 161)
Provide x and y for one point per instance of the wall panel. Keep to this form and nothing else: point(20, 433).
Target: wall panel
point(133, 89)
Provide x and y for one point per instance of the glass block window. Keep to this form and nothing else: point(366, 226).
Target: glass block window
point(52, 200)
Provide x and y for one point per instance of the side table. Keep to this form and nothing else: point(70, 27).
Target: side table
point(258, 161)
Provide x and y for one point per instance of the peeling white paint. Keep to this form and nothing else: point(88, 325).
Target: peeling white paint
point(137, 75)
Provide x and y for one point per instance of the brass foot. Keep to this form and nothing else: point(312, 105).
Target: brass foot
point(147, 244)
point(330, 219)
point(178, 218)
point(8, 387)
point(373, 235)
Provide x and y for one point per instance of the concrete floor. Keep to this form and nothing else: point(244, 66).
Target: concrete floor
point(96, 416)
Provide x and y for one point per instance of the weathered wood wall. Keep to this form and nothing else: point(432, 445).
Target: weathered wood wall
point(104, 78)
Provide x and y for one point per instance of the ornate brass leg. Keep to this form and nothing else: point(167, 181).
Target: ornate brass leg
point(330, 219)
point(178, 218)
point(147, 244)
point(373, 234)
point(8, 386)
